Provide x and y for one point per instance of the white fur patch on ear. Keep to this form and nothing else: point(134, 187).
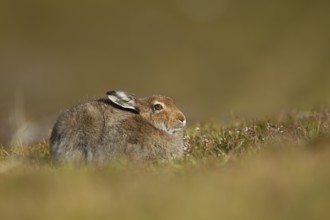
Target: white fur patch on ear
point(123, 99)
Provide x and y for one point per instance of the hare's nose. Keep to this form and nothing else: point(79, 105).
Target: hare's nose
point(182, 119)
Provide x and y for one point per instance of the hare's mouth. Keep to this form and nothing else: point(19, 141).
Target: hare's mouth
point(164, 127)
point(169, 130)
point(178, 128)
point(175, 130)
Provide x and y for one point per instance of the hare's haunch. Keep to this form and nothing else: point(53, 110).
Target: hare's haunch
point(120, 125)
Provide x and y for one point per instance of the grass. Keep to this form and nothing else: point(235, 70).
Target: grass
point(269, 168)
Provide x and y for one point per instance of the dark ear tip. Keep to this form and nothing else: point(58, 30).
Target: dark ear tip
point(111, 92)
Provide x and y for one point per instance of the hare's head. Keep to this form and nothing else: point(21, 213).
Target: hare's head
point(160, 111)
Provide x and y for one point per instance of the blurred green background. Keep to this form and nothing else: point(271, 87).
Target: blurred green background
point(215, 58)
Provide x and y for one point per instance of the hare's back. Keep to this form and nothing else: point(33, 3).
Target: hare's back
point(87, 118)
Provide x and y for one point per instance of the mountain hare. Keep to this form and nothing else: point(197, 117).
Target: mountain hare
point(120, 125)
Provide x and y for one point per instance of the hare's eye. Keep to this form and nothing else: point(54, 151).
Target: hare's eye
point(158, 107)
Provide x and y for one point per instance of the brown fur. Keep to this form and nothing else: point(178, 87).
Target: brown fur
point(99, 131)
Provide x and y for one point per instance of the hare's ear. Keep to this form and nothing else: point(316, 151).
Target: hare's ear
point(124, 100)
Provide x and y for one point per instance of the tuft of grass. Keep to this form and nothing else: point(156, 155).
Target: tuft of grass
point(251, 136)
point(33, 154)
